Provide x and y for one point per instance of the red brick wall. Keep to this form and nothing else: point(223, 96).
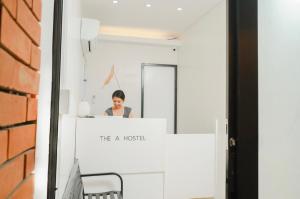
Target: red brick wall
point(20, 35)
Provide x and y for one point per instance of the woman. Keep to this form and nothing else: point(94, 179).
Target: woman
point(118, 109)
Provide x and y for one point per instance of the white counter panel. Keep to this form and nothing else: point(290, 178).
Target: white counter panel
point(190, 166)
point(120, 145)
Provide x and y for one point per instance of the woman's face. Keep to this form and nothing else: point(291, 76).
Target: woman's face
point(118, 102)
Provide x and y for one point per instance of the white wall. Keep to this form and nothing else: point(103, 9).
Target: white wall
point(71, 79)
point(72, 57)
point(127, 58)
point(202, 85)
point(202, 73)
point(279, 99)
point(43, 123)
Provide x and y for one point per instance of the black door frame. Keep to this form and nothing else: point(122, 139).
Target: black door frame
point(55, 90)
point(243, 99)
point(175, 83)
point(242, 181)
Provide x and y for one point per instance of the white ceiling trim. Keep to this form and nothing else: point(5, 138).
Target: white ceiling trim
point(138, 33)
point(147, 41)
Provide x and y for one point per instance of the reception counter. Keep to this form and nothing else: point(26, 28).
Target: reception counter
point(152, 163)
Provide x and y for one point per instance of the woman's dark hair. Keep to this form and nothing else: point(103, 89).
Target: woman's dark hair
point(119, 94)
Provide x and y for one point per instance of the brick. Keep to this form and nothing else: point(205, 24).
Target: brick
point(13, 109)
point(35, 57)
point(20, 139)
point(7, 69)
point(27, 80)
point(11, 174)
point(29, 3)
point(28, 21)
point(25, 191)
point(11, 6)
point(15, 75)
point(29, 162)
point(13, 37)
point(37, 8)
point(32, 104)
point(3, 145)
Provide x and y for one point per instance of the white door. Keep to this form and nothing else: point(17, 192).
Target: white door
point(159, 93)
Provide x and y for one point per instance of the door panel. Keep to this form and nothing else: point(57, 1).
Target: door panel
point(159, 94)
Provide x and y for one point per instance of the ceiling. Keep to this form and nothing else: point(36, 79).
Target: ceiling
point(162, 16)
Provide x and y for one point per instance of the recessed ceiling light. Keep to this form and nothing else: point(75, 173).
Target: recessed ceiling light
point(115, 1)
point(179, 9)
point(148, 5)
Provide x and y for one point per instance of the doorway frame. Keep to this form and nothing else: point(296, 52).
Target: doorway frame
point(243, 84)
point(175, 83)
point(243, 172)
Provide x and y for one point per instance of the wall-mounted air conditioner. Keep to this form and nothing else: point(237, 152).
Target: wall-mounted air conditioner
point(89, 32)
